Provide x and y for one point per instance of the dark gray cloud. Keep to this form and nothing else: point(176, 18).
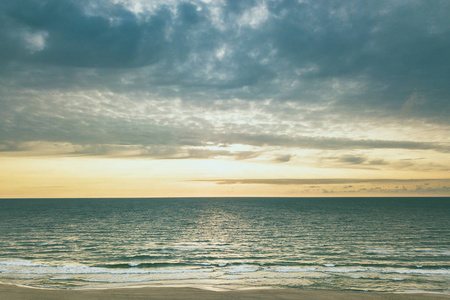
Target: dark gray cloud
point(321, 181)
point(378, 162)
point(365, 61)
point(115, 126)
point(395, 49)
point(305, 142)
point(421, 189)
point(283, 158)
point(72, 37)
point(351, 159)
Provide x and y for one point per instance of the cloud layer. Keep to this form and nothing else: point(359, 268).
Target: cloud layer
point(228, 79)
point(320, 181)
point(261, 49)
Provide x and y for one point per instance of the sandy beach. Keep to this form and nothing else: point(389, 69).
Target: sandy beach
point(12, 292)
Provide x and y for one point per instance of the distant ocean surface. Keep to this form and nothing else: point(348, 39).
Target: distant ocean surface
point(363, 244)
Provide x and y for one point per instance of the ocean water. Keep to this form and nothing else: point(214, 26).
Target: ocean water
point(363, 244)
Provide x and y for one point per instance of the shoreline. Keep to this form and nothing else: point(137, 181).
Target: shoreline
point(15, 292)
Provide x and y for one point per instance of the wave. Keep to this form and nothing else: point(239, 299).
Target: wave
point(144, 265)
point(142, 257)
point(19, 263)
point(29, 267)
point(129, 280)
point(285, 269)
point(241, 269)
point(415, 253)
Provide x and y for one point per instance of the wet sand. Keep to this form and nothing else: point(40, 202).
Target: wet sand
point(11, 292)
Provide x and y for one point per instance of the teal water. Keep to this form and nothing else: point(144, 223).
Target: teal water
point(364, 244)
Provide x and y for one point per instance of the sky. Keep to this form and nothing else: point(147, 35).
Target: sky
point(135, 98)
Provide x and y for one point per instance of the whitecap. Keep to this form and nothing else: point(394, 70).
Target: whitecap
point(241, 269)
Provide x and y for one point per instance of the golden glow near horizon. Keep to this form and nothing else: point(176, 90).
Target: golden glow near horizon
point(379, 164)
point(138, 177)
point(169, 99)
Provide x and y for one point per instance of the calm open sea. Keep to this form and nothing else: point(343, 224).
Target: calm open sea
point(365, 244)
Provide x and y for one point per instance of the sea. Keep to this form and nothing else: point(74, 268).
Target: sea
point(358, 244)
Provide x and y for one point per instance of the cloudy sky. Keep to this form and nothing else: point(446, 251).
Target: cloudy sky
point(156, 98)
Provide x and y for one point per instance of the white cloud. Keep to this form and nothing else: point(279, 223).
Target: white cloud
point(35, 41)
point(254, 16)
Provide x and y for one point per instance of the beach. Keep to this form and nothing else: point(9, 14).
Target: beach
point(12, 292)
